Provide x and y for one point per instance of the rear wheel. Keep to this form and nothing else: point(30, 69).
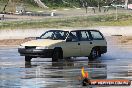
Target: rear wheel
point(57, 54)
point(94, 54)
point(99, 54)
point(28, 59)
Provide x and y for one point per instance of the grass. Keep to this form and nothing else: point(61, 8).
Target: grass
point(87, 21)
point(80, 21)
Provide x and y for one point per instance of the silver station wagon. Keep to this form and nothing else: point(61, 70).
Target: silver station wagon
point(59, 44)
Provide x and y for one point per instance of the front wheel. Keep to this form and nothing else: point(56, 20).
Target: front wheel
point(28, 59)
point(57, 54)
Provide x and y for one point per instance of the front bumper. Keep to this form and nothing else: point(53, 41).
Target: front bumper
point(46, 53)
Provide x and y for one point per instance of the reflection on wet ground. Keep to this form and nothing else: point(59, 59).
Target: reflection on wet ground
point(42, 73)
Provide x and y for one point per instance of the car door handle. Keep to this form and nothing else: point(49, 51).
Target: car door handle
point(91, 43)
point(78, 43)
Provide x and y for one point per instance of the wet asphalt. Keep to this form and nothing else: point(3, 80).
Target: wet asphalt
point(43, 73)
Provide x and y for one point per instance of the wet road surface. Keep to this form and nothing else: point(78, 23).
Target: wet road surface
point(43, 73)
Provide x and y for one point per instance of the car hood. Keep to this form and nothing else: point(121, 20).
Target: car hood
point(41, 42)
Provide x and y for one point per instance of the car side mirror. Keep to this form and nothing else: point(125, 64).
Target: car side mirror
point(37, 37)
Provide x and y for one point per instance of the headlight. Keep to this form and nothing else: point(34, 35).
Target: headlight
point(42, 47)
point(21, 46)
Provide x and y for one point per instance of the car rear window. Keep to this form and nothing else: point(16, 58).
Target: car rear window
point(96, 35)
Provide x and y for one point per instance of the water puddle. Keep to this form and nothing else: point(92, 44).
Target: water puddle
point(43, 73)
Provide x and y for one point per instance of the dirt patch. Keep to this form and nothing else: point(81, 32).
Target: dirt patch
point(13, 41)
point(127, 40)
point(122, 40)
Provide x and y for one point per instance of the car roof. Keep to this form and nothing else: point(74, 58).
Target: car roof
point(86, 30)
point(74, 30)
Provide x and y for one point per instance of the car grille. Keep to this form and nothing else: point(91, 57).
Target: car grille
point(30, 47)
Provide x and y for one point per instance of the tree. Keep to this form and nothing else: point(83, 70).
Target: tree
point(126, 3)
point(12, 4)
point(40, 3)
point(3, 11)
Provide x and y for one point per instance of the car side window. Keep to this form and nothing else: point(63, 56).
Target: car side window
point(84, 36)
point(73, 36)
point(96, 35)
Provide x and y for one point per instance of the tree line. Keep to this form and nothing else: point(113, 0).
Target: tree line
point(66, 3)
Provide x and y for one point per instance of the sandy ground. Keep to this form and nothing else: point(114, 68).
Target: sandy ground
point(122, 40)
point(122, 35)
point(13, 42)
point(126, 40)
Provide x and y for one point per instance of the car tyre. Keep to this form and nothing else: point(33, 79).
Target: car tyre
point(28, 59)
point(94, 54)
point(99, 54)
point(57, 54)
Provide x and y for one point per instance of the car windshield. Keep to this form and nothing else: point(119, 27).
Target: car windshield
point(54, 35)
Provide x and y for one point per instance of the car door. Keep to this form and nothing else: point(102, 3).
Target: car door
point(86, 43)
point(72, 47)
